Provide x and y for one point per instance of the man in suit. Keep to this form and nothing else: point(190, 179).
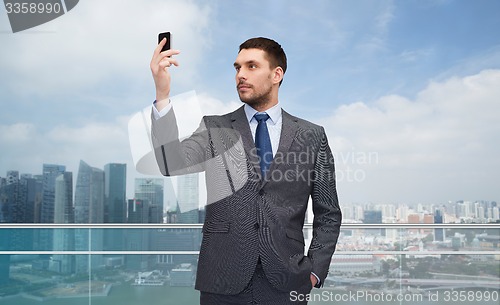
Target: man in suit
point(262, 165)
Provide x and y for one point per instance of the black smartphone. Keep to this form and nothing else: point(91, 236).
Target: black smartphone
point(169, 39)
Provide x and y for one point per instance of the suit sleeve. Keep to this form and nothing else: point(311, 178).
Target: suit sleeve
point(327, 214)
point(173, 156)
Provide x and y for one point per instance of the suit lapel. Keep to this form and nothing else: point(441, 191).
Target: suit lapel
point(240, 123)
point(289, 130)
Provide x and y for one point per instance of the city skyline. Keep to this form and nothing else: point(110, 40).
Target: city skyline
point(425, 247)
point(88, 200)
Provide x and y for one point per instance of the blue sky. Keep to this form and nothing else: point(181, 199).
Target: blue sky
point(414, 83)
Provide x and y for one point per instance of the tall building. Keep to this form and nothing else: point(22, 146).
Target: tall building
point(187, 211)
point(115, 188)
point(428, 219)
point(138, 211)
point(4, 259)
point(151, 190)
point(373, 217)
point(63, 199)
point(138, 239)
point(17, 205)
point(89, 208)
point(188, 198)
point(438, 219)
point(33, 192)
point(63, 238)
point(495, 213)
point(89, 195)
point(11, 209)
point(50, 173)
point(115, 204)
point(146, 208)
point(12, 176)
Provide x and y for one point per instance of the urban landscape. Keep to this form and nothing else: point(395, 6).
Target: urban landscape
point(387, 252)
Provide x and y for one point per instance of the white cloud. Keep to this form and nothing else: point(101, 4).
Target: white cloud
point(378, 27)
point(213, 106)
point(415, 55)
point(26, 148)
point(94, 142)
point(443, 143)
point(102, 40)
point(16, 133)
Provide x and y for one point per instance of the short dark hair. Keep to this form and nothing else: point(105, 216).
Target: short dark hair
point(275, 53)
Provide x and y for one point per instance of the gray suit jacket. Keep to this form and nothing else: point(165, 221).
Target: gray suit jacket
point(248, 217)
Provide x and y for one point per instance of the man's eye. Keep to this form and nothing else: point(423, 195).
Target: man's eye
point(253, 66)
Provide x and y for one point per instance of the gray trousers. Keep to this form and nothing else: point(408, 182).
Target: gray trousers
point(258, 292)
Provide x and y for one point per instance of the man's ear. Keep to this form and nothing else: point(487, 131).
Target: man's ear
point(278, 75)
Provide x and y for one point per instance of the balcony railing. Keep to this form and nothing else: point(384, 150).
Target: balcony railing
point(126, 263)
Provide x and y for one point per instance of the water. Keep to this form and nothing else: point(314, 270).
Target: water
point(166, 295)
point(124, 295)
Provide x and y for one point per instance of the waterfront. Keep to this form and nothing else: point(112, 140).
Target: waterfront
point(165, 295)
point(123, 295)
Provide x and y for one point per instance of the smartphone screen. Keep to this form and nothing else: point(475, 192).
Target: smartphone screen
point(165, 35)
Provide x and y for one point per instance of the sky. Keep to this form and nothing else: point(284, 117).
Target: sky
point(408, 91)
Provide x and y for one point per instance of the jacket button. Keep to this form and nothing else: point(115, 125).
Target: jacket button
point(256, 226)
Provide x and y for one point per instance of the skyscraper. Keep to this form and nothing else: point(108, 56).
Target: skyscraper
point(50, 173)
point(147, 207)
point(151, 190)
point(438, 232)
point(89, 208)
point(17, 200)
point(64, 239)
point(188, 198)
point(33, 188)
point(12, 177)
point(373, 217)
point(138, 239)
point(115, 176)
point(11, 209)
point(4, 259)
point(89, 195)
point(187, 211)
point(63, 199)
point(115, 204)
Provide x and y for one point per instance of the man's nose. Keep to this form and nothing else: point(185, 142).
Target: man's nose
point(241, 75)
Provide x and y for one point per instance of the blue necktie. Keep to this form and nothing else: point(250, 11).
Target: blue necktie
point(263, 143)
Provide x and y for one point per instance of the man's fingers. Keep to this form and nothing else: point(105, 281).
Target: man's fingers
point(172, 61)
point(163, 60)
point(169, 53)
point(167, 63)
point(159, 57)
point(159, 47)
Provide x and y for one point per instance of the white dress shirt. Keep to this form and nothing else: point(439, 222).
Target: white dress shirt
point(273, 124)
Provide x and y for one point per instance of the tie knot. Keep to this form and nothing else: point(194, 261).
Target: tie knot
point(261, 117)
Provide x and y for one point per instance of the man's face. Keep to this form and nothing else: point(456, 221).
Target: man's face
point(254, 76)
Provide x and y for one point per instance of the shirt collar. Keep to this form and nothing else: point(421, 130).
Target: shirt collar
point(273, 112)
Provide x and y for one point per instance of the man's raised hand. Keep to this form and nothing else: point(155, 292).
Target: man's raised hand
point(159, 65)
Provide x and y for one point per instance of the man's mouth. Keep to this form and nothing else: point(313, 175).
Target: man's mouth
point(244, 86)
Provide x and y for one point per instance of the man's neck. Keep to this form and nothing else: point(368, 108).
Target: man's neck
point(264, 107)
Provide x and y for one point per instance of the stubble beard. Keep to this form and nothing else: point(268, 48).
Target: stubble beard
point(257, 100)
